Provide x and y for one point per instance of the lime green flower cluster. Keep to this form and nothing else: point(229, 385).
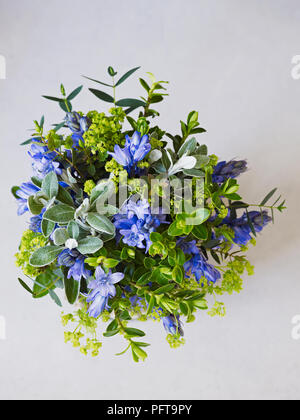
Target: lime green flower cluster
point(156, 144)
point(30, 242)
point(175, 341)
point(105, 132)
point(89, 326)
point(113, 167)
point(89, 186)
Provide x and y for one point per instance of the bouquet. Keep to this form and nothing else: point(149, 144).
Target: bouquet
point(131, 222)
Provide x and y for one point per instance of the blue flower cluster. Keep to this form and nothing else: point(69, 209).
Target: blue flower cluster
point(135, 224)
point(72, 259)
point(136, 148)
point(225, 170)
point(44, 161)
point(198, 266)
point(173, 325)
point(78, 125)
point(26, 190)
point(102, 288)
point(242, 228)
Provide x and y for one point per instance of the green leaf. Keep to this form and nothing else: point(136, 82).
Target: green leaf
point(177, 274)
point(72, 288)
point(151, 305)
point(74, 93)
point(180, 257)
point(34, 207)
point(14, 192)
point(61, 213)
point(132, 103)
point(27, 288)
point(102, 95)
point(50, 185)
point(268, 196)
point(197, 218)
point(73, 230)
point(111, 71)
point(101, 223)
point(64, 196)
point(45, 256)
point(47, 227)
point(60, 236)
point(200, 232)
point(144, 279)
point(55, 298)
point(174, 230)
point(164, 289)
point(126, 75)
point(134, 332)
point(113, 326)
point(108, 334)
point(145, 85)
point(110, 263)
point(89, 245)
point(155, 237)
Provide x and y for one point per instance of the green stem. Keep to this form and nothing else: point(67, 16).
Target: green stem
point(114, 88)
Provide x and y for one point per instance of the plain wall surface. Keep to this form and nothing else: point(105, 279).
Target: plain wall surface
point(231, 61)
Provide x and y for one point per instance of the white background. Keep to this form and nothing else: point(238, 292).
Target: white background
point(229, 59)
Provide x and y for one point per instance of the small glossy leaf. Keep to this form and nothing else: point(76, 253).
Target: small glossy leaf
point(134, 332)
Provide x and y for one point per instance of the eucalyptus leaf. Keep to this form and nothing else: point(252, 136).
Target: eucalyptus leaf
point(135, 103)
point(102, 95)
point(74, 93)
point(126, 75)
